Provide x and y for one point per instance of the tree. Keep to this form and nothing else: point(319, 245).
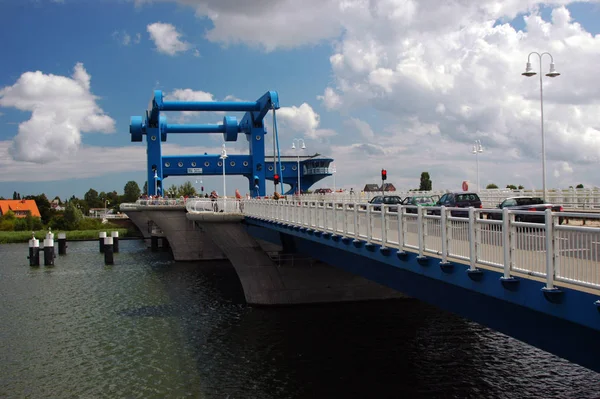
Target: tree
point(521, 187)
point(14, 195)
point(72, 216)
point(145, 189)
point(425, 184)
point(511, 187)
point(187, 189)
point(173, 191)
point(491, 185)
point(44, 207)
point(131, 191)
point(91, 197)
point(579, 185)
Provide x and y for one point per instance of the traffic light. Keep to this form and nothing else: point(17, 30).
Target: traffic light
point(383, 174)
point(276, 179)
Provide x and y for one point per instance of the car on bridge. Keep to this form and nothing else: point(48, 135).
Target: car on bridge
point(323, 191)
point(526, 204)
point(458, 200)
point(419, 200)
point(387, 200)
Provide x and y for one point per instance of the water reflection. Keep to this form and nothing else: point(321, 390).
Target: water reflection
point(153, 328)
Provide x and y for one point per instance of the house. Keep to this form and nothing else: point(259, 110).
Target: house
point(371, 188)
point(389, 187)
point(20, 208)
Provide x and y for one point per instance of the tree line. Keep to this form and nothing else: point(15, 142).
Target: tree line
point(73, 217)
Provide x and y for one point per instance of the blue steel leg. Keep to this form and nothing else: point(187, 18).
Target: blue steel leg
point(154, 156)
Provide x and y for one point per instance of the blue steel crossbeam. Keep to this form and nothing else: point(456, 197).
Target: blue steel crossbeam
point(155, 127)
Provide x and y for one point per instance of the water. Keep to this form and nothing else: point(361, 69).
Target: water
point(149, 327)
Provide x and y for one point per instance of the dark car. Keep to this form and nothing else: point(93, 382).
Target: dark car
point(526, 204)
point(418, 200)
point(387, 200)
point(458, 200)
point(323, 191)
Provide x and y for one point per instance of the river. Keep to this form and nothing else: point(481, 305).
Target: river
point(149, 327)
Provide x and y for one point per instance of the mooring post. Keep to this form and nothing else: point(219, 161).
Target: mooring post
point(49, 250)
point(108, 251)
point(62, 243)
point(101, 237)
point(115, 237)
point(34, 251)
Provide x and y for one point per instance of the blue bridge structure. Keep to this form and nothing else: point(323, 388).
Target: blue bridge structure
point(536, 282)
point(254, 166)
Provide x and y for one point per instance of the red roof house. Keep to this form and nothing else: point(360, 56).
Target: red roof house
point(19, 207)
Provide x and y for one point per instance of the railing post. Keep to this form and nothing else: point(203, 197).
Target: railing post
point(556, 245)
point(345, 211)
point(369, 223)
point(324, 219)
point(549, 250)
point(506, 233)
point(355, 220)
point(384, 227)
point(400, 229)
point(472, 240)
point(420, 230)
point(334, 217)
point(443, 223)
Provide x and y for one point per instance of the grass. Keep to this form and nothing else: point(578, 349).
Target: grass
point(11, 237)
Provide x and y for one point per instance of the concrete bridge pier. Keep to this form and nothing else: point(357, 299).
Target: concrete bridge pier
point(273, 274)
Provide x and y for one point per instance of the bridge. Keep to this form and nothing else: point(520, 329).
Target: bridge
point(537, 282)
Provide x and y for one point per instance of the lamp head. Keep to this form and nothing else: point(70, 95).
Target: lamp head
point(303, 146)
point(528, 70)
point(293, 146)
point(552, 73)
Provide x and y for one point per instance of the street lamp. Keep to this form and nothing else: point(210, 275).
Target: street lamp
point(477, 149)
point(223, 157)
point(294, 141)
point(333, 174)
point(105, 207)
point(552, 74)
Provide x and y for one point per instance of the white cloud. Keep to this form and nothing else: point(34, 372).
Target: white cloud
point(89, 161)
point(167, 39)
point(61, 109)
point(363, 128)
point(125, 39)
point(303, 120)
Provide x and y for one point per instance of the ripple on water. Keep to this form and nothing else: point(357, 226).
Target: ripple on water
point(149, 327)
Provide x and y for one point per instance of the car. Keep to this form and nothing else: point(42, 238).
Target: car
point(418, 200)
point(526, 204)
point(458, 200)
point(323, 191)
point(387, 200)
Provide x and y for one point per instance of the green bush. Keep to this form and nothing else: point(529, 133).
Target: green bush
point(93, 224)
point(7, 225)
point(21, 225)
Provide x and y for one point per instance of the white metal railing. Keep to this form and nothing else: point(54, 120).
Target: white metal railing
point(227, 205)
point(582, 198)
point(161, 202)
point(490, 237)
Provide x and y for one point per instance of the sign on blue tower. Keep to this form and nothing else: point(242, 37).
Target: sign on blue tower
point(156, 129)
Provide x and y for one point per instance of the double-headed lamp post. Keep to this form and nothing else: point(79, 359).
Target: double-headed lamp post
point(223, 157)
point(552, 74)
point(106, 202)
point(477, 149)
point(298, 158)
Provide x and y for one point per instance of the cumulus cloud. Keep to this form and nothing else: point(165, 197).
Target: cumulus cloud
point(303, 120)
point(167, 39)
point(61, 109)
point(89, 161)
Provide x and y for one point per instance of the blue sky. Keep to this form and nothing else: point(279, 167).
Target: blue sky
point(398, 85)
